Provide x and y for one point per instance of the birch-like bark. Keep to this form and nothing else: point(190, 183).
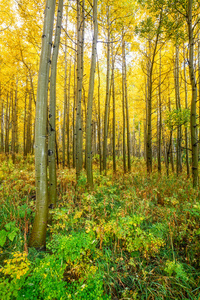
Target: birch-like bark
point(123, 105)
point(134, 139)
point(2, 122)
point(178, 107)
point(25, 120)
point(149, 100)
point(99, 117)
point(52, 113)
point(68, 112)
point(80, 46)
point(65, 95)
point(193, 124)
point(38, 234)
point(114, 118)
point(171, 147)
point(90, 99)
point(186, 106)
point(126, 105)
point(73, 118)
point(107, 102)
point(16, 119)
point(199, 80)
point(139, 140)
point(159, 118)
point(7, 117)
point(28, 123)
point(13, 129)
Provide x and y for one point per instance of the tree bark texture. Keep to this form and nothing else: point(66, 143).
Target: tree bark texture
point(80, 46)
point(178, 107)
point(126, 104)
point(193, 124)
point(52, 113)
point(186, 106)
point(38, 234)
point(90, 99)
point(107, 102)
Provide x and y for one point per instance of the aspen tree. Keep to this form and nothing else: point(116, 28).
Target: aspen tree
point(13, 129)
point(126, 105)
point(38, 234)
point(178, 107)
point(107, 102)
point(99, 117)
point(25, 118)
point(52, 113)
point(199, 80)
point(149, 101)
point(170, 146)
point(123, 105)
point(186, 107)
point(28, 125)
point(68, 119)
point(90, 99)
point(193, 123)
point(73, 118)
point(65, 96)
point(80, 47)
point(134, 139)
point(159, 124)
point(2, 122)
point(113, 98)
point(7, 129)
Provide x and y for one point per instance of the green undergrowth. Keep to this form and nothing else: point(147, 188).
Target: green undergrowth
point(132, 237)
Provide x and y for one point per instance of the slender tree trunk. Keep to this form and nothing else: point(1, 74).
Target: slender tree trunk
point(64, 117)
point(68, 112)
point(13, 129)
point(126, 103)
point(199, 81)
point(7, 125)
point(73, 118)
point(84, 118)
point(52, 114)
point(149, 105)
point(28, 123)
point(193, 125)
point(2, 126)
point(186, 106)
point(99, 117)
point(178, 107)
point(145, 121)
point(65, 110)
point(164, 145)
point(80, 45)
point(90, 99)
point(159, 118)
point(118, 140)
point(123, 105)
point(107, 103)
point(171, 146)
point(134, 139)
point(2, 131)
point(16, 119)
point(38, 234)
point(139, 139)
point(113, 98)
point(25, 119)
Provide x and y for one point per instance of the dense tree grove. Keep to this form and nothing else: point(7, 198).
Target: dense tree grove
point(144, 44)
point(99, 83)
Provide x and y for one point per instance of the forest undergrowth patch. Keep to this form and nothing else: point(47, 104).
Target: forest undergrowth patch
point(132, 237)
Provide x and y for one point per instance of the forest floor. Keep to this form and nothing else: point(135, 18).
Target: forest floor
point(132, 237)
